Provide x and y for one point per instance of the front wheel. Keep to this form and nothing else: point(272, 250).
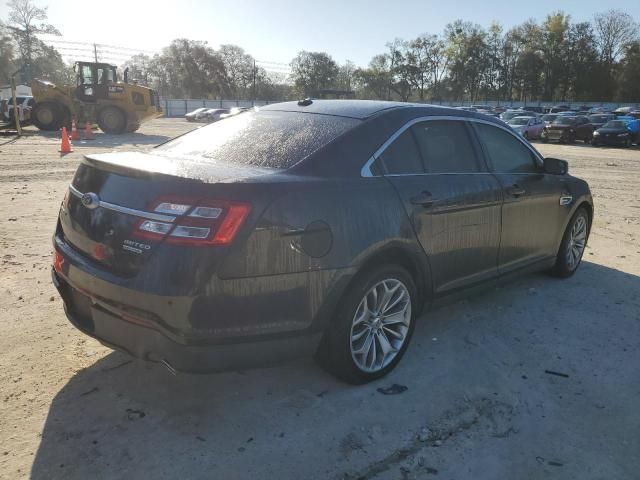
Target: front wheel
point(372, 327)
point(573, 244)
point(48, 116)
point(112, 120)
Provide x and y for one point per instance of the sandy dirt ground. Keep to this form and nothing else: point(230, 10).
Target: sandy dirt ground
point(479, 404)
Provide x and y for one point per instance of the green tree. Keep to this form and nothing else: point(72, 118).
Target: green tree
point(312, 72)
point(6, 56)
point(22, 23)
point(630, 73)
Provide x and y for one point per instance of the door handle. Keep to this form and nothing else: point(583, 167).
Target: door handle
point(424, 199)
point(516, 190)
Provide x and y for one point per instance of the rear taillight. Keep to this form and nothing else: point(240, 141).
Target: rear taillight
point(197, 223)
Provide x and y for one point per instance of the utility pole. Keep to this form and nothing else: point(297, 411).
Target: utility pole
point(95, 52)
point(16, 115)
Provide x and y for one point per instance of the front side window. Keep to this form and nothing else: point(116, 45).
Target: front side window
point(401, 157)
point(446, 147)
point(505, 151)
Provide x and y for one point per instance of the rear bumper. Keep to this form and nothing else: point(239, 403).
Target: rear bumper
point(94, 318)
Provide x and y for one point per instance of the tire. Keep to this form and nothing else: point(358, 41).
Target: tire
point(571, 138)
point(48, 116)
point(133, 127)
point(112, 120)
point(594, 142)
point(627, 143)
point(352, 328)
point(564, 267)
point(526, 136)
point(545, 140)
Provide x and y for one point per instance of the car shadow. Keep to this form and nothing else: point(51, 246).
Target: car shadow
point(123, 418)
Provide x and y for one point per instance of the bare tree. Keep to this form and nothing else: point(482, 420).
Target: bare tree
point(614, 30)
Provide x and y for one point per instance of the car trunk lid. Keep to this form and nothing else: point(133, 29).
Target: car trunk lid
point(121, 207)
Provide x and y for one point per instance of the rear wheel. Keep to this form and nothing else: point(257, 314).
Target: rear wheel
point(571, 138)
point(372, 327)
point(573, 244)
point(112, 120)
point(48, 116)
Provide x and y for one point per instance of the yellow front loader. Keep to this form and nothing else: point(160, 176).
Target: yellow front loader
point(98, 97)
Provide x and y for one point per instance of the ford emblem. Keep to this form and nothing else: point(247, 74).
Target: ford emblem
point(90, 200)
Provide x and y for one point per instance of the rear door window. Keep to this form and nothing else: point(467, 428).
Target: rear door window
point(446, 147)
point(268, 139)
point(401, 157)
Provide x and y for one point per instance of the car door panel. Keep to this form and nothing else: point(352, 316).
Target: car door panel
point(460, 230)
point(455, 215)
point(531, 212)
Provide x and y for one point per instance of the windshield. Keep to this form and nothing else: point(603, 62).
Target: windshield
point(265, 139)
point(20, 100)
point(519, 121)
point(564, 121)
point(549, 117)
point(616, 124)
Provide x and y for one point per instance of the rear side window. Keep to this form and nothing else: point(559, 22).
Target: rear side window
point(507, 153)
point(446, 147)
point(402, 156)
point(268, 139)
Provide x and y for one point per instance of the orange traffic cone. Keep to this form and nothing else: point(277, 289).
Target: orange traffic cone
point(65, 145)
point(75, 135)
point(88, 132)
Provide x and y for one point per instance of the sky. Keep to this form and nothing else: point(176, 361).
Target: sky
point(275, 30)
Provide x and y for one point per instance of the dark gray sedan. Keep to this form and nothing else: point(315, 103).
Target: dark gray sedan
point(315, 227)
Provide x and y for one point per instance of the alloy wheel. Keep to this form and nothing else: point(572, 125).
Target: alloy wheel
point(380, 325)
point(577, 242)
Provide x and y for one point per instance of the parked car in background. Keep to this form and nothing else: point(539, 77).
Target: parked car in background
point(229, 247)
point(623, 111)
point(509, 114)
point(194, 115)
point(529, 127)
point(467, 109)
point(621, 132)
point(485, 108)
point(213, 114)
point(598, 120)
point(595, 110)
point(547, 118)
point(559, 108)
point(566, 129)
point(533, 108)
point(25, 105)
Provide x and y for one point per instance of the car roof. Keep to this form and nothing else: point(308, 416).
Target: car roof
point(364, 109)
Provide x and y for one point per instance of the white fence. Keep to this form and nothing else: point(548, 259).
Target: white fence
point(178, 107)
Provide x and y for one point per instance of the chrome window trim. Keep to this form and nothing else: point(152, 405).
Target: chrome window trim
point(365, 171)
point(126, 210)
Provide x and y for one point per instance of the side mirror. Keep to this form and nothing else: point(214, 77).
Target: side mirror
point(555, 166)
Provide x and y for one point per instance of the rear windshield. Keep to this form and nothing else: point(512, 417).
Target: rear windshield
point(519, 121)
point(564, 120)
point(265, 138)
point(549, 117)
